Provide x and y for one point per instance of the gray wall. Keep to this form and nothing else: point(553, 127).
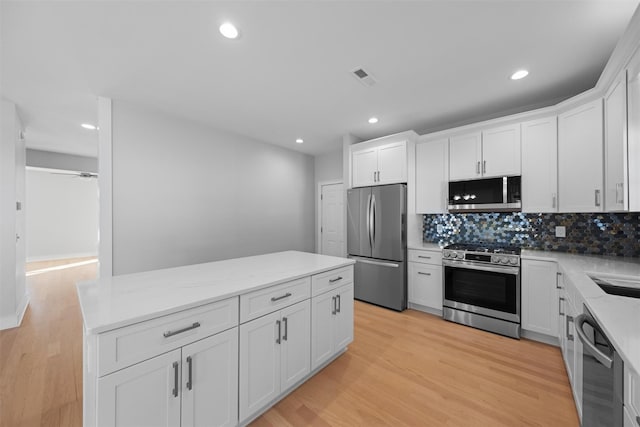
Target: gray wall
point(184, 193)
point(70, 162)
point(329, 166)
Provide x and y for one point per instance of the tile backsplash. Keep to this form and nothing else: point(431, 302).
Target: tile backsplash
point(616, 234)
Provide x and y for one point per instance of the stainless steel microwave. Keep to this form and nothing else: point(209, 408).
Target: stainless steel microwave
point(486, 195)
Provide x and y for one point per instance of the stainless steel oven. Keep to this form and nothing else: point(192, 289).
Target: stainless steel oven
point(481, 287)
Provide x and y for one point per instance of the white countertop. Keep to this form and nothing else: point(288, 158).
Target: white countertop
point(618, 316)
point(425, 246)
point(119, 301)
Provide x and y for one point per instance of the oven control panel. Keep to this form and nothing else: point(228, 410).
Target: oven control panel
point(488, 258)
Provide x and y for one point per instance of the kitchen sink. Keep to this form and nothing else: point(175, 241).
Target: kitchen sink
point(618, 286)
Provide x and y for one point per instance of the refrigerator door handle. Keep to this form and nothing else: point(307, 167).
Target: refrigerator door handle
point(369, 261)
point(373, 220)
point(369, 224)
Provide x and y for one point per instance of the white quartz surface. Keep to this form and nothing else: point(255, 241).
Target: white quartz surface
point(119, 301)
point(618, 316)
point(426, 246)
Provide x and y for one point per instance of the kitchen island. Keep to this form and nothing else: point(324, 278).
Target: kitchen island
point(215, 343)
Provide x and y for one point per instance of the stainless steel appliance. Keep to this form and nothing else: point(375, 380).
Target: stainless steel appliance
point(377, 241)
point(482, 287)
point(602, 375)
point(486, 195)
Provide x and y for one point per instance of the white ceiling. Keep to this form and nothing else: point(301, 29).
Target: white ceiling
point(437, 63)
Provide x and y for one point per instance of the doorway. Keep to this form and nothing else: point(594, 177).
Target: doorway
point(331, 219)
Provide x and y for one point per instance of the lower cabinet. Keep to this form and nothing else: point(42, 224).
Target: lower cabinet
point(331, 323)
point(201, 378)
point(540, 297)
point(274, 355)
point(425, 280)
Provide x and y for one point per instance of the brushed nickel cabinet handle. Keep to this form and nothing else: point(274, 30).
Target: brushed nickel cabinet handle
point(597, 197)
point(569, 336)
point(338, 303)
point(484, 166)
point(620, 193)
point(478, 168)
point(286, 328)
point(553, 200)
point(190, 379)
point(558, 274)
point(560, 306)
point(374, 176)
point(638, 420)
point(424, 274)
point(279, 331)
point(425, 257)
point(175, 379)
point(333, 305)
point(335, 280)
point(179, 331)
point(287, 295)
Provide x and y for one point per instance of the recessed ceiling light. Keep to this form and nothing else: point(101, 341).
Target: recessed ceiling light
point(520, 74)
point(373, 120)
point(88, 126)
point(299, 141)
point(229, 30)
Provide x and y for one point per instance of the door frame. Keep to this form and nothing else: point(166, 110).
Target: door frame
point(319, 213)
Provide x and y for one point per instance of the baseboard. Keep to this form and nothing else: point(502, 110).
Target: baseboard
point(536, 336)
point(425, 309)
point(61, 256)
point(13, 321)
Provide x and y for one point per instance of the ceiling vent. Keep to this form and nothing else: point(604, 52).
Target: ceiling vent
point(363, 77)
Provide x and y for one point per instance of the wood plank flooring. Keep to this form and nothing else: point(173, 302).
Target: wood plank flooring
point(403, 369)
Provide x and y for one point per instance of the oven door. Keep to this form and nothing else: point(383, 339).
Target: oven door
point(490, 290)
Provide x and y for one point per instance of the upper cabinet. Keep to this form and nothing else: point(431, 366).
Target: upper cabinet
point(633, 142)
point(432, 176)
point(490, 153)
point(380, 161)
point(616, 185)
point(580, 170)
point(540, 165)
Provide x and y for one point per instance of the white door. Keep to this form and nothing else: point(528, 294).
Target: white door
point(465, 153)
point(425, 285)
point(295, 350)
point(364, 167)
point(322, 313)
point(145, 394)
point(392, 163)
point(501, 151)
point(259, 363)
point(432, 176)
point(210, 381)
point(616, 185)
point(332, 220)
point(580, 159)
point(540, 165)
point(21, 253)
point(539, 296)
point(343, 328)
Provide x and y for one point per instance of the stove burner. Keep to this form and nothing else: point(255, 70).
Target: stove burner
point(484, 248)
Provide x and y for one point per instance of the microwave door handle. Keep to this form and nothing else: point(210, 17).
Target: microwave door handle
point(587, 344)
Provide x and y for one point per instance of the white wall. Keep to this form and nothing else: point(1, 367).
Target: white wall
point(62, 216)
point(184, 193)
point(49, 159)
point(328, 166)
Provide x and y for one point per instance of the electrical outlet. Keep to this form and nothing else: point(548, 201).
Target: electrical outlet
point(439, 228)
point(561, 231)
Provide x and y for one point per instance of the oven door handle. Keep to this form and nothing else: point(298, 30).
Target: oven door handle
point(469, 266)
point(588, 345)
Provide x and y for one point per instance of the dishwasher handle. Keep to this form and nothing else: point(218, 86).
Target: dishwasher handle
point(588, 345)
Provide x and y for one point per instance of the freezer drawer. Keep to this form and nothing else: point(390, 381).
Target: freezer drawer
point(381, 282)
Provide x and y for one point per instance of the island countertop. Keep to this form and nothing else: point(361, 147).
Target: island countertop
point(118, 301)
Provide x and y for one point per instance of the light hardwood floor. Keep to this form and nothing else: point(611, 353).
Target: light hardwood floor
point(409, 368)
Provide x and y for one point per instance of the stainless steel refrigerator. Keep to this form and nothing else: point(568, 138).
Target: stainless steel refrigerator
point(377, 241)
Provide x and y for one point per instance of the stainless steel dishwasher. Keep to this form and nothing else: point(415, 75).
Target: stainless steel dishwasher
point(602, 375)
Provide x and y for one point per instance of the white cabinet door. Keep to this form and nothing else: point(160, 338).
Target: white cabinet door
point(392, 163)
point(432, 176)
point(539, 297)
point(425, 285)
point(580, 174)
point(465, 154)
point(322, 312)
point(145, 394)
point(364, 167)
point(540, 165)
point(616, 184)
point(295, 352)
point(259, 363)
point(210, 381)
point(501, 151)
point(343, 322)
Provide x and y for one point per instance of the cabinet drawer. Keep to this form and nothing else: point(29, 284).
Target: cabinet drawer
point(265, 301)
point(425, 257)
point(123, 347)
point(322, 282)
point(632, 391)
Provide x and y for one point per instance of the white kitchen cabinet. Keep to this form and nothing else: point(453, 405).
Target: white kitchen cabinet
point(331, 323)
point(465, 156)
point(616, 184)
point(632, 392)
point(432, 176)
point(492, 153)
point(540, 165)
point(201, 378)
point(580, 162)
point(539, 297)
point(379, 164)
point(425, 280)
point(274, 354)
point(633, 132)
point(501, 151)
